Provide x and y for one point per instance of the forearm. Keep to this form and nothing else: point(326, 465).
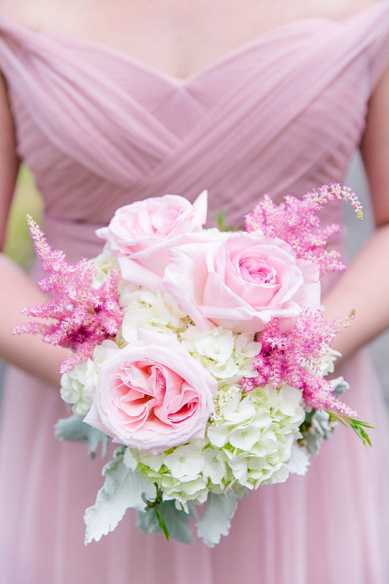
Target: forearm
point(28, 352)
point(364, 287)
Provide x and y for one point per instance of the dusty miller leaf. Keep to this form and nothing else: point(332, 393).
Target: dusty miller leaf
point(73, 429)
point(176, 521)
point(122, 489)
point(340, 386)
point(299, 460)
point(216, 520)
point(147, 521)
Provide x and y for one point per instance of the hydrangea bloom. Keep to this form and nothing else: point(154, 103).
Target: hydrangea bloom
point(78, 387)
point(151, 310)
point(248, 443)
point(224, 354)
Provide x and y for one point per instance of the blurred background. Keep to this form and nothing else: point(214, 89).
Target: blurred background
point(27, 200)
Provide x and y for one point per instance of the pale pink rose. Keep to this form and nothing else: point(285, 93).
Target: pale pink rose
point(242, 283)
point(152, 395)
point(141, 234)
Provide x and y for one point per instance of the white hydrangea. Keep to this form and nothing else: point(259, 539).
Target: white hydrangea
point(126, 291)
point(183, 492)
point(185, 462)
point(217, 344)
point(178, 472)
point(215, 465)
point(256, 431)
point(105, 262)
point(78, 387)
point(100, 352)
point(248, 443)
point(327, 364)
point(227, 356)
point(149, 310)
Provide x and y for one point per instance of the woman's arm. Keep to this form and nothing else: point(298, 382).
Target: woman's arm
point(365, 284)
point(16, 289)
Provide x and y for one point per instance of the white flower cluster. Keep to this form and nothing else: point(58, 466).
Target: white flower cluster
point(150, 310)
point(327, 364)
point(78, 387)
point(105, 262)
point(227, 356)
point(249, 442)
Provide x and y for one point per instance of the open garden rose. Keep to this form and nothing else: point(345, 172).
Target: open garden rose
point(141, 234)
point(152, 395)
point(242, 283)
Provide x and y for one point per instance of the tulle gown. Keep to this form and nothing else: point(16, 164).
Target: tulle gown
point(281, 114)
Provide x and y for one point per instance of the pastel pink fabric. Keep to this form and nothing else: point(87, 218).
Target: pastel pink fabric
point(282, 114)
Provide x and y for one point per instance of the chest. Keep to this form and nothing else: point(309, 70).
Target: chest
point(176, 37)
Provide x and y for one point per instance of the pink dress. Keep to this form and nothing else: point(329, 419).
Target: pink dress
point(281, 114)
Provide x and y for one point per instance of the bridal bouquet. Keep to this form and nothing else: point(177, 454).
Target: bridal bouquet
point(202, 353)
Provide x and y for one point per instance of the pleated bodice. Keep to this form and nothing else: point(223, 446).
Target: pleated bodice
point(281, 114)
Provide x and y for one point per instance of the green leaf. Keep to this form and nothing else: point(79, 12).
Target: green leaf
point(221, 222)
point(73, 429)
point(162, 523)
point(356, 425)
point(166, 518)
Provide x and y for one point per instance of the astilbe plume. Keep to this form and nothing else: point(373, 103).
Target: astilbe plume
point(81, 314)
point(296, 221)
point(293, 357)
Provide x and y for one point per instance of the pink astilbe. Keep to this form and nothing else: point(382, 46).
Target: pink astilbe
point(84, 315)
point(294, 358)
point(296, 222)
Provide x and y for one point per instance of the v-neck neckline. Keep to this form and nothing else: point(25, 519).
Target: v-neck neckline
point(190, 79)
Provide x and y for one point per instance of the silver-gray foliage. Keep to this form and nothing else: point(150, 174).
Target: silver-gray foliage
point(73, 429)
point(216, 520)
point(177, 521)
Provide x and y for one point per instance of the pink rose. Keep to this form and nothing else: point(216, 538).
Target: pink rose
point(141, 234)
point(152, 395)
point(243, 283)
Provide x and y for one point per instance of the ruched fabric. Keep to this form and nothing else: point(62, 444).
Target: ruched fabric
point(281, 114)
